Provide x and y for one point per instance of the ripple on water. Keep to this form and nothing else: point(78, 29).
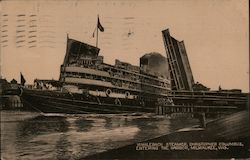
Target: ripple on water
point(62, 136)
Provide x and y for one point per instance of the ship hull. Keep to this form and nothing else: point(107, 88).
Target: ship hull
point(59, 102)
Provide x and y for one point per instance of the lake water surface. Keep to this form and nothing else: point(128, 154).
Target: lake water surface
point(29, 135)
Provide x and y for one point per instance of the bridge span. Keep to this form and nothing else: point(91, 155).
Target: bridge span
point(209, 102)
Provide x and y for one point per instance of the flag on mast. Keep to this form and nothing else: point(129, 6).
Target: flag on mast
point(22, 79)
point(99, 25)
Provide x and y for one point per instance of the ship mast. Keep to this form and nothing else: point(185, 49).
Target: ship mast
point(98, 27)
point(97, 32)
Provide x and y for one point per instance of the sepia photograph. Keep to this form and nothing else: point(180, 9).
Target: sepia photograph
point(123, 79)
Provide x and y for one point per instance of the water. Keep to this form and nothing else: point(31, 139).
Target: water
point(26, 135)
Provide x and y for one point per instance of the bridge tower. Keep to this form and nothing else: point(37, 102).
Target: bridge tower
point(180, 70)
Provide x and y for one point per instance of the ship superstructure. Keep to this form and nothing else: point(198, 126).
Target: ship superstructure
point(83, 70)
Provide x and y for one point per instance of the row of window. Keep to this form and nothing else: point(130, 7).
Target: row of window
point(117, 72)
point(131, 77)
point(118, 82)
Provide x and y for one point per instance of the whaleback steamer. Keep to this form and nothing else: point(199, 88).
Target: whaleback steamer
point(159, 84)
point(87, 84)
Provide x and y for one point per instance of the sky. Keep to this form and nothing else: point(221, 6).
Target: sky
point(215, 33)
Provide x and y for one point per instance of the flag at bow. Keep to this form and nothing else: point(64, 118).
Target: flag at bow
point(99, 25)
point(22, 79)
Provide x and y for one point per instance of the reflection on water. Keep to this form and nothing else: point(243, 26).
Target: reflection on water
point(61, 136)
point(42, 125)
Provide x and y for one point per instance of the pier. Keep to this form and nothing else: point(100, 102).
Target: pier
point(10, 102)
